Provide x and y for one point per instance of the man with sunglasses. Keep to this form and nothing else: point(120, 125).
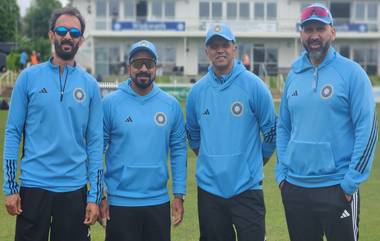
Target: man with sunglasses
point(56, 111)
point(227, 111)
point(326, 136)
point(142, 125)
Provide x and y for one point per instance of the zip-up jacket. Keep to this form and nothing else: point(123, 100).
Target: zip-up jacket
point(225, 120)
point(139, 133)
point(327, 128)
point(62, 133)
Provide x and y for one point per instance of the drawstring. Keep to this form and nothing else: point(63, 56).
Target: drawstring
point(60, 81)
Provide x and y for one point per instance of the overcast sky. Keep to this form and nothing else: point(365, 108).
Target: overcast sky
point(24, 4)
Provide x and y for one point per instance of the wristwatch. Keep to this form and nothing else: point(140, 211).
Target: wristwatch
point(180, 196)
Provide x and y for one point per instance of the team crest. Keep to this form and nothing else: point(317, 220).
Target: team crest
point(79, 95)
point(143, 43)
point(160, 118)
point(237, 108)
point(217, 28)
point(327, 91)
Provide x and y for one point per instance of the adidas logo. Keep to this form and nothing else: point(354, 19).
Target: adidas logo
point(206, 112)
point(129, 119)
point(345, 214)
point(43, 90)
point(295, 93)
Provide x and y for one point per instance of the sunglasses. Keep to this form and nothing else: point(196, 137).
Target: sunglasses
point(62, 31)
point(318, 11)
point(138, 63)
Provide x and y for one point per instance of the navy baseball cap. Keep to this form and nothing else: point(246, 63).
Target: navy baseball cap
point(316, 12)
point(221, 30)
point(143, 45)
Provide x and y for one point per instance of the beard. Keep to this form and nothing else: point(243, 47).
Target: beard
point(319, 53)
point(61, 53)
point(141, 84)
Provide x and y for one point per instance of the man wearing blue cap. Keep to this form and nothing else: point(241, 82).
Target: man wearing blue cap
point(326, 136)
point(227, 111)
point(141, 124)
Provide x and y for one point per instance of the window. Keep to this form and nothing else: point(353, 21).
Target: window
point(360, 11)
point(114, 8)
point(372, 11)
point(244, 10)
point(129, 8)
point(231, 10)
point(203, 61)
point(141, 10)
point(367, 58)
point(265, 60)
point(341, 12)
point(216, 10)
point(259, 11)
point(345, 51)
point(101, 8)
point(271, 11)
point(204, 9)
point(170, 9)
point(157, 8)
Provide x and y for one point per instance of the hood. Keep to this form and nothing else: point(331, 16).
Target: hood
point(303, 63)
point(126, 88)
point(237, 69)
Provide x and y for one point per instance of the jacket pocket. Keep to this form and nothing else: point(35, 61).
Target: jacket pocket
point(143, 181)
point(310, 158)
point(227, 172)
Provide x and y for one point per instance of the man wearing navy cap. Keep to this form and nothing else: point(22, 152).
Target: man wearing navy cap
point(326, 136)
point(227, 111)
point(141, 125)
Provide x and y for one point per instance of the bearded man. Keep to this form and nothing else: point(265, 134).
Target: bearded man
point(326, 136)
point(56, 110)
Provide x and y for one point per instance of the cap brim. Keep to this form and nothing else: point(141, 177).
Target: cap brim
point(220, 35)
point(319, 19)
point(142, 48)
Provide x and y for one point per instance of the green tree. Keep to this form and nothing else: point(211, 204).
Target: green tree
point(37, 18)
point(9, 20)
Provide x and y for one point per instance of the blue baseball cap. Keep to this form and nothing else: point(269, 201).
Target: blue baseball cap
point(221, 30)
point(143, 45)
point(316, 12)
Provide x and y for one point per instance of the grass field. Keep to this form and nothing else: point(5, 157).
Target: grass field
point(275, 221)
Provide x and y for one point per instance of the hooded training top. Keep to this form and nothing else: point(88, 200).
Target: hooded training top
point(63, 140)
point(327, 129)
point(139, 131)
point(224, 121)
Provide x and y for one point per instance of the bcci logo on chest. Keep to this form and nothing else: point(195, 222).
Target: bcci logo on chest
point(237, 108)
point(79, 95)
point(160, 118)
point(327, 91)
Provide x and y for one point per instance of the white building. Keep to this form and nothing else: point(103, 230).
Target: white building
point(266, 30)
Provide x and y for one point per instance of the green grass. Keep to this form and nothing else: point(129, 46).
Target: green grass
point(275, 221)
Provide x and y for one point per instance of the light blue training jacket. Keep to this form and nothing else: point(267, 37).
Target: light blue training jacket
point(139, 132)
point(63, 140)
point(327, 128)
point(225, 122)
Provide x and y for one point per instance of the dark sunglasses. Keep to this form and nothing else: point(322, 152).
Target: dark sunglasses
point(138, 63)
point(318, 11)
point(62, 31)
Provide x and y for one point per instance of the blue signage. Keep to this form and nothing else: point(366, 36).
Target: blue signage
point(148, 25)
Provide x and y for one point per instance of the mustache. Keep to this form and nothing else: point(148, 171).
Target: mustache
point(315, 41)
point(66, 41)
point(143, 74)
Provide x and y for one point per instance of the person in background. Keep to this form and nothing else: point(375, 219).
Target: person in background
point(23, 59)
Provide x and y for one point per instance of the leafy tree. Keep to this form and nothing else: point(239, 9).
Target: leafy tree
point(37, 18)
point(9, 20)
